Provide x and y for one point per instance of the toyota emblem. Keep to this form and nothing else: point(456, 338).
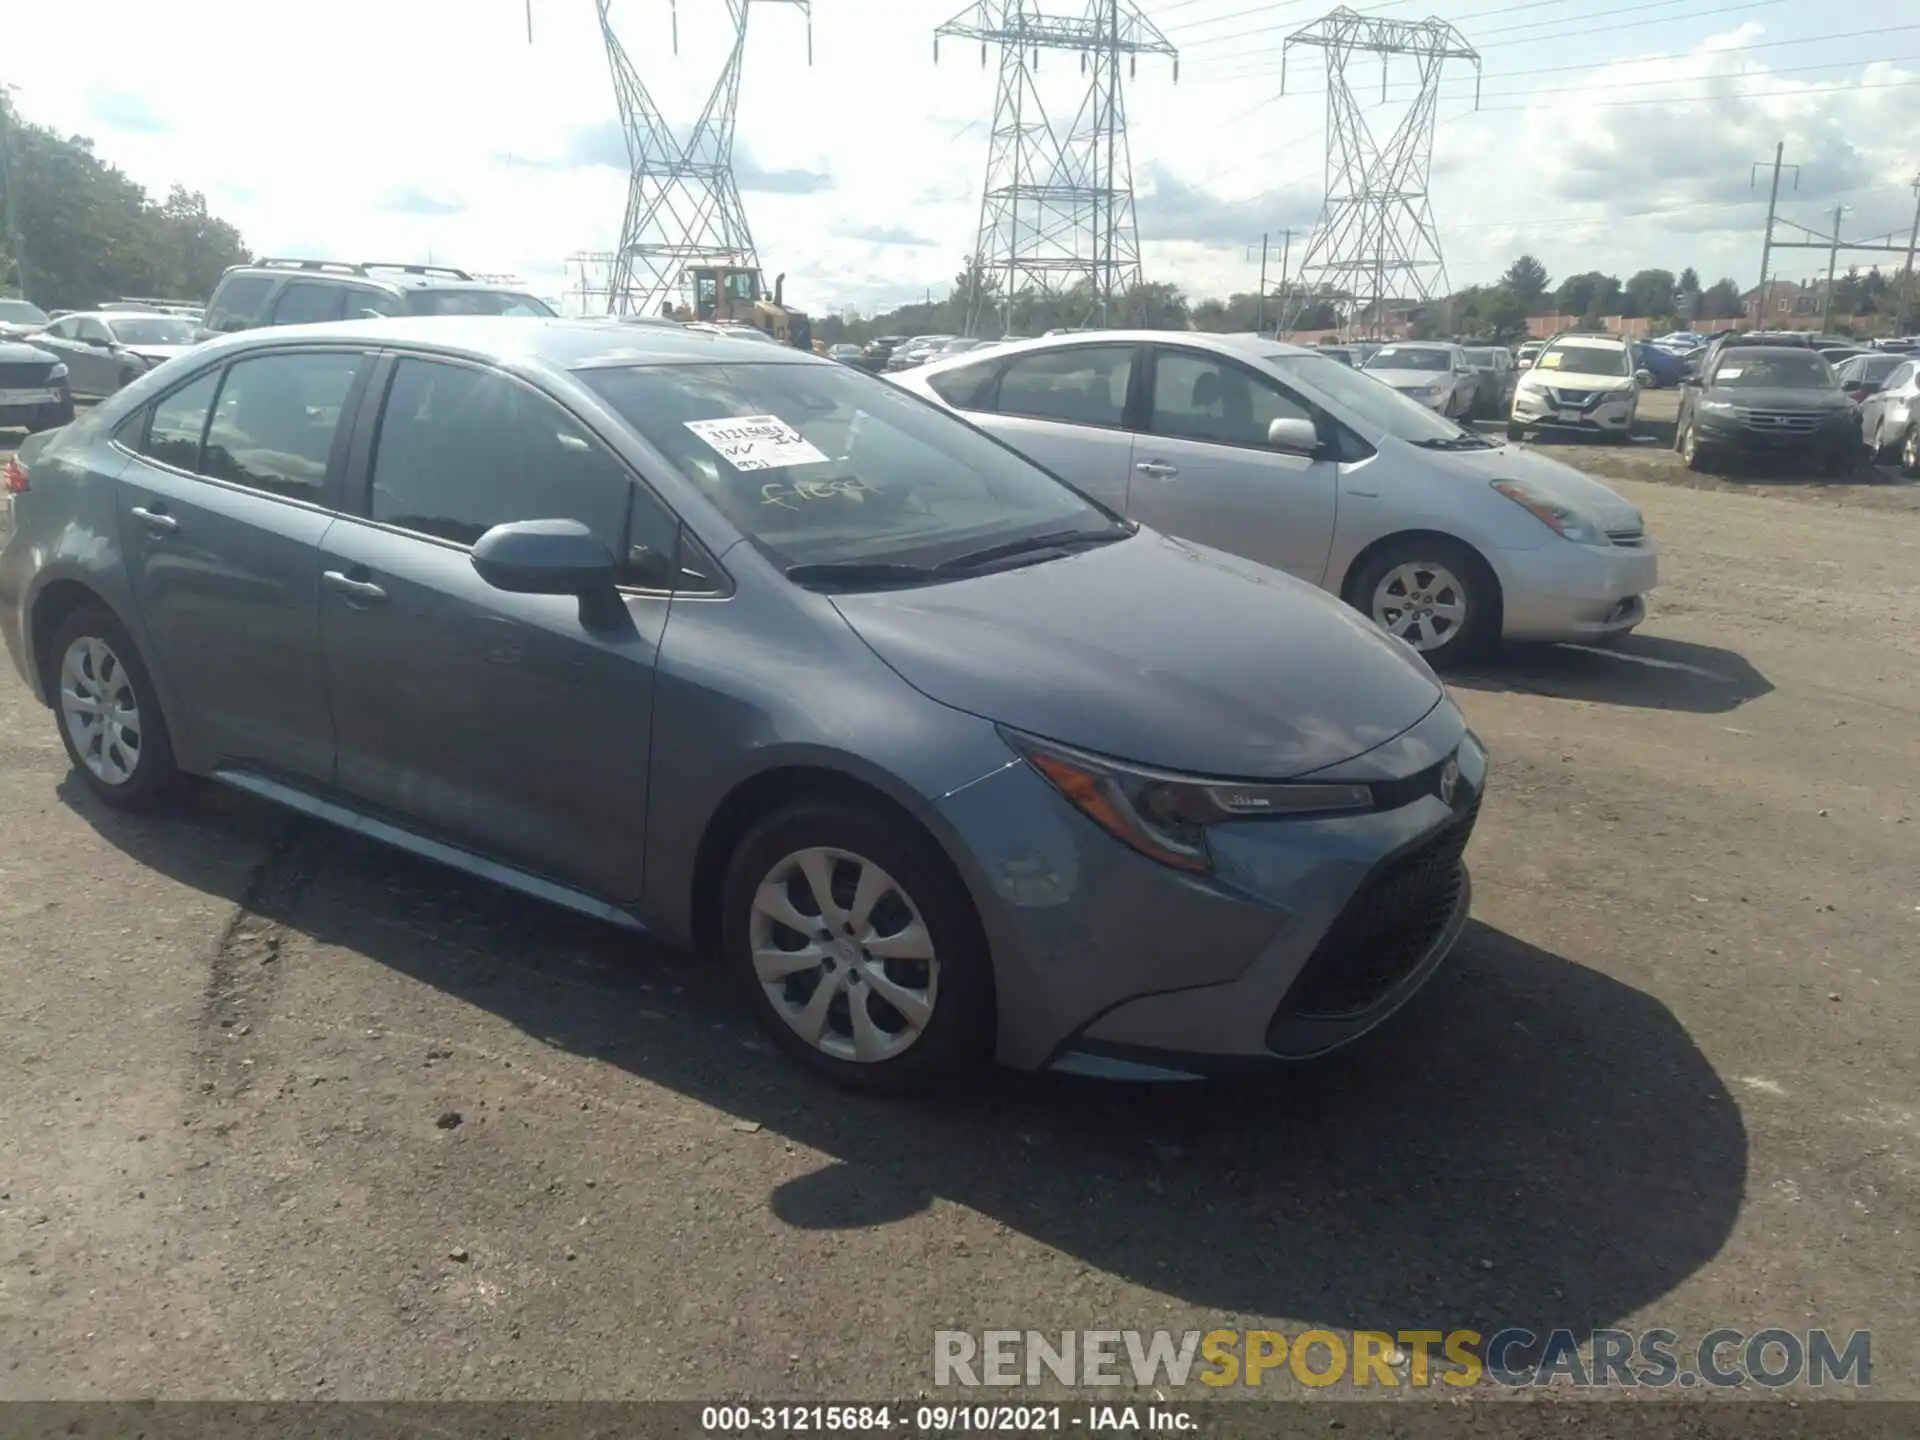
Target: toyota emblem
point(1449, 780)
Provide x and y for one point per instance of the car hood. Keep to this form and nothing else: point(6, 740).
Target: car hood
point(15, 352)
point(1551, 479)
point(1157, 651)
point(1605, 384)
point(1756, 398)
point(1410, 379)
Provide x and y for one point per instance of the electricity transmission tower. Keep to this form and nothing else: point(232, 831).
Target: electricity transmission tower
point(683, 206)
point(1376, 240)
point(1056, 211)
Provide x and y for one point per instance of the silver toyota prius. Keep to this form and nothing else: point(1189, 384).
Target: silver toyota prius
point(942, 759)
point(1451, 540)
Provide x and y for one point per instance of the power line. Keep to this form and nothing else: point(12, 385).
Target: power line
point(1612, 85)
point(1563, 35)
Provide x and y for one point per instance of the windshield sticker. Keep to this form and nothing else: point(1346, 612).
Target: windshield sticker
point(756, 442)
point(1550, 360)
point(1730, 372)
point(774, 493)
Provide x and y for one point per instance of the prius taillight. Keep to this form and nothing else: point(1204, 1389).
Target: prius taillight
point(14, 474)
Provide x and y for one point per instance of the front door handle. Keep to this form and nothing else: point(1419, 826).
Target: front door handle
point(363, 592)
point(1157, 469)
point(158, 521)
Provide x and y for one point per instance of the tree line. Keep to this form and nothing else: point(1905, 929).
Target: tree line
point(77, 232)
point(1498, 311)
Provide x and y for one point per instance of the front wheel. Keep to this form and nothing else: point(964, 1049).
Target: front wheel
point(859, 950)
point(1515, 430)
point(1910, 452)
point(1433, 593)
point(110, 720)
point(1699, 458)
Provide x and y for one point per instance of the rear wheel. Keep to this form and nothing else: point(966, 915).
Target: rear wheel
point(1432, 592)
point(1700, 458)
point(1910, 452)
point(859, 950)
point(109, 715)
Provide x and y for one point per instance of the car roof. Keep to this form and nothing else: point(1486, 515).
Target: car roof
point(1770, 349)
point(563, 343)
point(394, 277)
point(1590, 342)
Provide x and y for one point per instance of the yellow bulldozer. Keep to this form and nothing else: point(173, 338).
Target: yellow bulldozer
point(736, 294)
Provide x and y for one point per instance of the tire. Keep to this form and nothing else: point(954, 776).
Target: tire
point(1910, 452)
point(955, 1038)
point(1466, 575)
point(129, 767)
point(1515, 430)
point(1700, 458)
point(1846, 462)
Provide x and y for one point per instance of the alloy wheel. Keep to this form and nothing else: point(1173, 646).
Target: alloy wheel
point(100, 710)
point(1910, 450)
point(1422, 602)
point(844, 955)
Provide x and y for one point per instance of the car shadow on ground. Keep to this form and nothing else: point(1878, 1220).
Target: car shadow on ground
point(1534, 1143)
point(1646, 672)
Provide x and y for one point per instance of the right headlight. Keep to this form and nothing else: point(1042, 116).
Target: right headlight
point(1563, 519)
point(1165, 816)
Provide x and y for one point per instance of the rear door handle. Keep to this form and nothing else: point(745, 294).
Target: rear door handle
point(364, 592)
point(156, 520)
point(1157, 469)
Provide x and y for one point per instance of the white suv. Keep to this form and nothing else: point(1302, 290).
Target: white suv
point(1583, 383)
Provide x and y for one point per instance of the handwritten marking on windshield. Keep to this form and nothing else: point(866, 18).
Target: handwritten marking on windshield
point(775, 493)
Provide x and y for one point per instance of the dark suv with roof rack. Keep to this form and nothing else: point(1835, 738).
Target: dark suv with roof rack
point(307, 292)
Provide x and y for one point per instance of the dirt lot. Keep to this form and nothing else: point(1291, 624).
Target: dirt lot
point(287, 1116)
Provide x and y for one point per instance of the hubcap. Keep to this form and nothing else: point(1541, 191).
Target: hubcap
point(101, 714)
point(844, 955)
point(1421, 602)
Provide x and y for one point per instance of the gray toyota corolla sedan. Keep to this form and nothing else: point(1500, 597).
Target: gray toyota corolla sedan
point(742, 648)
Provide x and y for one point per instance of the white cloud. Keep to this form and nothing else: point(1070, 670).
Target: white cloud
point(393, 131)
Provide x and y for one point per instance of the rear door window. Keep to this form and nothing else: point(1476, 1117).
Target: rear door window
point(179, 421)
point(1076, 384)
point(305, 303)
point(967, 387)
point(361, 303)
point(272, 429)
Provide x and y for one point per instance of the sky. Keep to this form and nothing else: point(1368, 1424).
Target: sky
point(1610, 134)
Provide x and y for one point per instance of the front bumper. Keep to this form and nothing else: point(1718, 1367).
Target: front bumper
point(41, 408)
point(1562, 591)
point(1730, 435)
point(1586, 412)
point(1308, 934)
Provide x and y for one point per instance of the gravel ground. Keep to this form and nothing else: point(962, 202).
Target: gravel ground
point(287, 1116)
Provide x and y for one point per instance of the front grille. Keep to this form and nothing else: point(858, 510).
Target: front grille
point(1781, 422)
point(1635, 536)
point(1574, 399)
point(1387, 929)
point(27, 375)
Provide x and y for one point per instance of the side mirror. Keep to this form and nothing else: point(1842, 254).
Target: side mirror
point(1524, 365)
point(1294, 437)
point(1643, 377)
point(547, 557)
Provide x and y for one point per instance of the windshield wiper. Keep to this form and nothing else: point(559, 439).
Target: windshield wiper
point(858, 572)
point(1054, 540)
point(1455, 442)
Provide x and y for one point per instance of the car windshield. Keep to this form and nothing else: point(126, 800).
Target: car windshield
point(1483, 359)
point(152, 330)
point(1359, 397)
point(1410, 357)
point(19, 312)
point(473, 302)
point(1584, 360)
point(1774, 370)
point(821, 465)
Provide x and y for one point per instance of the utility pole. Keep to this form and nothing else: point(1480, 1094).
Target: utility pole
point(1773, 201)
point(14, 243)
point(1833, 256)
point(1113, 95)
point(1260, 301)
point(1913, 236)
